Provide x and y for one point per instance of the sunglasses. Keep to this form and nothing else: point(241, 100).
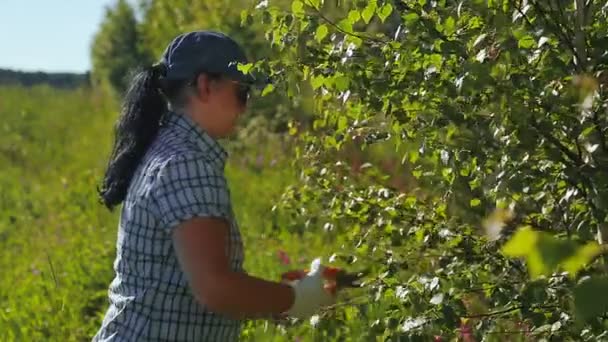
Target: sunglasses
point(243, 91)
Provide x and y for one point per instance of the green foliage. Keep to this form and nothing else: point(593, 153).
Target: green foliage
point(545, 253)
point(56, 241)
point(485, 108)
point(590, 299)
point(116, 50)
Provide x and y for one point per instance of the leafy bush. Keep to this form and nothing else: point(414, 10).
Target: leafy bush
point(497, 110)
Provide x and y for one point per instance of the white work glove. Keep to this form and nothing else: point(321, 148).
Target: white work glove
point(310, 294)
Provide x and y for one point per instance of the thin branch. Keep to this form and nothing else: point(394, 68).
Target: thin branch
point(578, 164)
point(562, 16)
point(548, 19)
point(578, 149)
point(599, 131)
point(509, 310)
point(563, 37)
point(435, 31)
point(496, 313)
point(555, 142)
point(517, 332)
point(363, 37)
point(502, 282)
point(522, 13)
point(540, 58)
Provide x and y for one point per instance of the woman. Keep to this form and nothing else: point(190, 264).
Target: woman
point(178, 267)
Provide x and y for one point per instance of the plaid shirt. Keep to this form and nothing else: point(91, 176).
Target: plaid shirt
point(180, 177)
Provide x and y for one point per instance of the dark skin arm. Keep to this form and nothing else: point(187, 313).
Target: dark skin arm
point(200, 248)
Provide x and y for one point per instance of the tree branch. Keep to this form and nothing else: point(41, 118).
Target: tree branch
point(556, 28)
point(508, 310)
point(599, 131)
point(564, 18)
point(352, 34)
point(555, 142)
point(578, 149)
point(496, 313)
point(576, 168)
point(420, 15)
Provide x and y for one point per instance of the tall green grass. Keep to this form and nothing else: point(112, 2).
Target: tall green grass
point(56, 240)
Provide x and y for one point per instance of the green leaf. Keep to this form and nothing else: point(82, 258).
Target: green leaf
point(522, 243)
point(590, 298)
point(355, 40)
point(526, 42)
point(297, 7)
point(449, 27)
point(321, 32)
point(293, 130)
point(440, 210)
point(411, 18)
point(436, 60)
point(245, 68)
point(369, 11)
point(314, 3)
point(544, 253)
point(330, 142)
point(385, 11)
point(536, 266)
point(447, 173)
point(587, 131)
point(268, 89)
point(346, 25)
point(552, 252)
point(475, 202)
point(317, 81)
point(342, 123)
point(342, 82)
point(354, 16)
point(581, 258)
point(244, 15)
point(413, 156)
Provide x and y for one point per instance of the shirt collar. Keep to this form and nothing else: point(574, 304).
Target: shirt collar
point(184, 124)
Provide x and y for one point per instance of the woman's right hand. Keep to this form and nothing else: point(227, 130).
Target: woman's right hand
point(311, 292)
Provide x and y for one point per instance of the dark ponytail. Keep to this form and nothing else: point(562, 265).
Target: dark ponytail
point(142, 109)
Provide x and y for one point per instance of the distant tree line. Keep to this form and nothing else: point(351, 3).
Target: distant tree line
point(58, 80)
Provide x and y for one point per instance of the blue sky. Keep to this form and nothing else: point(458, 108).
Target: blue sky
point(48, 35)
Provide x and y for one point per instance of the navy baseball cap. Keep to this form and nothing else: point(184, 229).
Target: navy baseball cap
point(194, 52)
